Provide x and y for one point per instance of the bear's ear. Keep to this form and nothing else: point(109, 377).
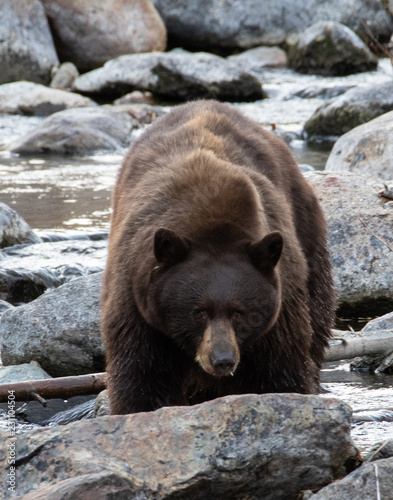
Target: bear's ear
point(169, 247)
point(266, 253)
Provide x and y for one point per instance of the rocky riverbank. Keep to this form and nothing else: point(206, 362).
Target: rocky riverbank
point(83, 80)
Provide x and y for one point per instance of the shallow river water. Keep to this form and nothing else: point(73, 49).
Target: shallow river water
point(72, 194)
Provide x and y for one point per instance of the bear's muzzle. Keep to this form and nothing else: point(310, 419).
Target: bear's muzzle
point(218, 353)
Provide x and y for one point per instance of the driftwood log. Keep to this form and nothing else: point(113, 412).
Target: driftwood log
point(344, 345)
point(61, 387)
point(348, 345)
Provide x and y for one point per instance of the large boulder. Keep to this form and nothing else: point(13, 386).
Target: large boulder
point(355, 107)
point(91, 33)
point(372, 480)
point(360, 240)
point(178, 74)
point(248, 23)
point(330, 48)
point(268, 447)
point(60, 330)
point(14, 229)
point(27, 51)
point(79, 131)
point(366, 149)
point(28, 98)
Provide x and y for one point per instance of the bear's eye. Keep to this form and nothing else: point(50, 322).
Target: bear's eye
point(238, 315)
point(200, 314)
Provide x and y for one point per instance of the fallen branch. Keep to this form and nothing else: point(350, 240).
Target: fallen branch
point(347, 345)
point(61, 387)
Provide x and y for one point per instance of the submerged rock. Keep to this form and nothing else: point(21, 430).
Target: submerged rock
point(27, 51)
point(60, 330)
point(360, 240)
point(267, 447)
point(355, 107)
point(27, 98)
point(178, 74)
point(27, 271)
point(22, 285)
point(366, 149)
point(330, 48)
point(14, 229)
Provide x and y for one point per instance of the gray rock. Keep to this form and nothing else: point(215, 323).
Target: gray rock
point(255, 60)
point(366, 149)
point(4, 306)
point(257, 447)
point(136, 97)
point(367, 363)
point(27, 51)
point(321, 91)
point(60, 330)
point(89, 34)
point(178, 74)
point(79, 131)
point(64, 76)
point(372, 480)
point(304, 167)
point(381, 362)
point(380, 451)
point(360, 239)
point(14, 229)
point(385, 322)
point(28, 98)
point(19, 373)
point(355, 107)
point(102, 405)
point(26, 272)
point(248, 23)
point(330, 48)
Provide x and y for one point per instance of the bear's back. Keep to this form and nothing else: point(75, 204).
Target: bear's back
point(218, 130)
point(216, 127)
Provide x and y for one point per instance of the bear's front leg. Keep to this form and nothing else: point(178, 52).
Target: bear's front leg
point(144, 371)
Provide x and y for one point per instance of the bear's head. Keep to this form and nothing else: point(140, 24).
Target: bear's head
point(212, 298)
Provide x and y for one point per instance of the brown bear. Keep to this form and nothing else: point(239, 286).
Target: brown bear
point(218, 278)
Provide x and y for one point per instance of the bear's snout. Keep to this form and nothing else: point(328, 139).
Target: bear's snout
point(218, 353)
point(223, 361)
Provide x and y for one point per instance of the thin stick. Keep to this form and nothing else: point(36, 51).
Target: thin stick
point(375, 236)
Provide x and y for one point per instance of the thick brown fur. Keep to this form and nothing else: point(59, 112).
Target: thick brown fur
point(220, 183)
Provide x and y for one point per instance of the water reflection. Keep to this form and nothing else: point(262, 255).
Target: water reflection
point(59, 193)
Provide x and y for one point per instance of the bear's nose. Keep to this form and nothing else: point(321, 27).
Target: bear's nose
point(223, 363)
